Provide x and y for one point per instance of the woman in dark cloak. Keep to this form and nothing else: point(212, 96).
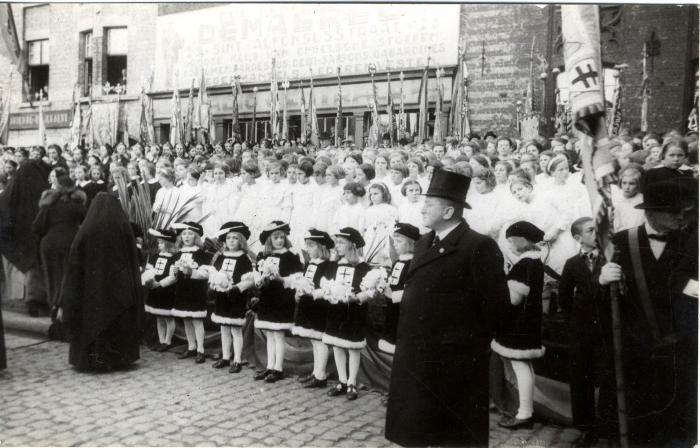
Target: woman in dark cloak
point(60, 213)
point(102, 302)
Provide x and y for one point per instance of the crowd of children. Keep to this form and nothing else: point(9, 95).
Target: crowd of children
point(318, 292)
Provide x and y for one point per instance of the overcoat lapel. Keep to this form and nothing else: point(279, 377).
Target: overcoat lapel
point(428, 254)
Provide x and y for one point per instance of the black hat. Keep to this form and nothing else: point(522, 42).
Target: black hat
point(273, 227)
point(490, 134)
point(449, 185)
point(163, 234)
point(526, 230)
point(407, 230)
point(233, 226)
point(352, 235)
point(474, 135)
point(189, 225)
point(671, 194)
point(320, 237)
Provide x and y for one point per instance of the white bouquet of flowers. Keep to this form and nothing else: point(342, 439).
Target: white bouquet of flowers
point(148, 277)
point(335, 292)
point(302, 285)
point(186, 267)
point(269, 269)
point(220, 281)
point(374, 282)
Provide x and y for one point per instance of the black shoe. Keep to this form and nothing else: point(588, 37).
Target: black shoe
point(352, 392)
point(235, 367)
point(164, 347)
point(274, 376)
point(187, 354)
point(221, 363)
point(306, 378)
point(261, 374)
point(315, 383)
point(200, 358)
point(339, 389)
point(514, 423)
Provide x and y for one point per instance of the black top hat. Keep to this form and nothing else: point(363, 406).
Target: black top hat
point(320, 237)
point(189, 225)
point(407, 230)
point(672, 194)
point(164, 234)
point(526, 230)
point(449, 185)
point(352, 235)
point(233, 226)
point(273, 227)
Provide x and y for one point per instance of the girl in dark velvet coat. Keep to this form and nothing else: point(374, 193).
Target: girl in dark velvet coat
point(60, 213)
point(102, 302)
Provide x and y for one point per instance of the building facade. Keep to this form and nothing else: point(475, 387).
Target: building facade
point(93, 54)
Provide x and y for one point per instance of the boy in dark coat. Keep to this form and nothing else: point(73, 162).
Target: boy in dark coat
point(588, 321)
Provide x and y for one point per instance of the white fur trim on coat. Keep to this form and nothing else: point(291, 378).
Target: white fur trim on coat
point(307, 333)
point(158, 311)
point(275, 326)
point(343, 343)
point(514, 353)
point(191, 314)
point(386, 346)
point(227, 320)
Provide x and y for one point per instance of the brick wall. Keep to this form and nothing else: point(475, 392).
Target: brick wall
point(505, 33)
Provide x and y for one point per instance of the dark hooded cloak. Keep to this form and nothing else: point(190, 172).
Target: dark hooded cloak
point(102, 295)
point(19, 205)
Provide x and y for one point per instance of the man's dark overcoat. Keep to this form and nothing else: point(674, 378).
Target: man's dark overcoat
point(455, 291)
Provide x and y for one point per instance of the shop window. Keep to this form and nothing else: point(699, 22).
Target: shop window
point(38, 68)
point(86, 59)
point(326, 124)
point(116, 60)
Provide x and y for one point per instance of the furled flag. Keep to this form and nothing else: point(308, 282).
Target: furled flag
point(175, 119)
point(189, 116)
point(202, 118)
point(42, 125)
point(285, 118)
point(423, 104)
point(302, 101)
point(146, 120)
point(390, 108)
point(312, 115)
point(374, 130)
point(615, 118)
point(402, 121)
point(437, 131)
point(645, 91)
point(581, 35)
point(692, 117)
point(274, 102)
point(339, 114)
point(75, 124)
point(235, 121)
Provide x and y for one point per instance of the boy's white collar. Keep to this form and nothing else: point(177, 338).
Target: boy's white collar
point(406, 257)
point(235, 253)
point(189, 249)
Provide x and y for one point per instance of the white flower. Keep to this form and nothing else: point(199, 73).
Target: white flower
point(148, 276)
point(220, 281)
point(374, 282)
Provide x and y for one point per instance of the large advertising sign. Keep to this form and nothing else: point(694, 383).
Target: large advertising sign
point(242, 39)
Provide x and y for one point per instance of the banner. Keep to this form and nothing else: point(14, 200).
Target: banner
point(243, 38)
point(104, 118)
point(42, 126)
point(5, 112)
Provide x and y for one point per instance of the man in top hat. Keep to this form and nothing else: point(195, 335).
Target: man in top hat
point(455, 287)
point(657, 266)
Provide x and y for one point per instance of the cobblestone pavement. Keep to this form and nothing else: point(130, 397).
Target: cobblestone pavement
point(168, 402)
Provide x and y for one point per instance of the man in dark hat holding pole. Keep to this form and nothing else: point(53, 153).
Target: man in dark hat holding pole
point(657, 266)
point(455, 289)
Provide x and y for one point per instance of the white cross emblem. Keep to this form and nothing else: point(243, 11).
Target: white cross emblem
point(396, 273)
point(186, 256)
point(160, 265)
point(228, 266)
point(345, 275)
point(311, 271)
